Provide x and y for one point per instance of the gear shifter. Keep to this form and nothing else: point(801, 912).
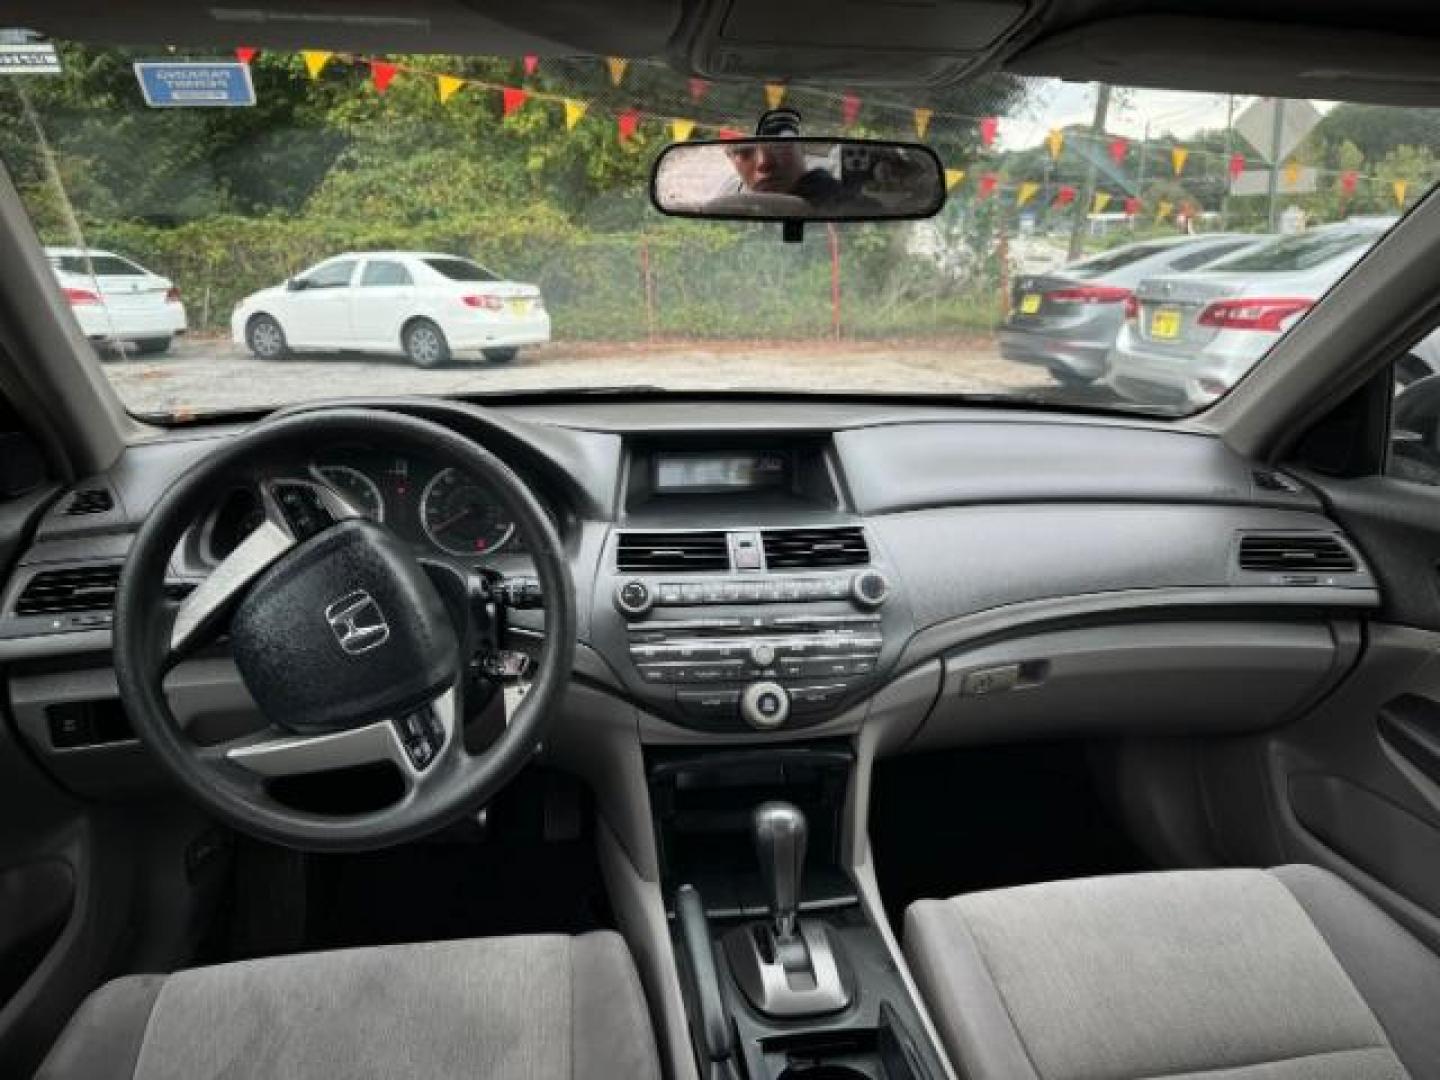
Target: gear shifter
point(780, 836)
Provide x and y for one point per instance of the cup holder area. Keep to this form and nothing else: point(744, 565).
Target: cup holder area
point(822, 1072)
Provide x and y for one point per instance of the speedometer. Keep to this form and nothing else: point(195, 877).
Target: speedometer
point(462, 516)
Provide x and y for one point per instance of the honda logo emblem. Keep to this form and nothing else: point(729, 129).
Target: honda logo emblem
point(358, 623)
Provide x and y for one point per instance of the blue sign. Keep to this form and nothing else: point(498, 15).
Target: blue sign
point(195, 84)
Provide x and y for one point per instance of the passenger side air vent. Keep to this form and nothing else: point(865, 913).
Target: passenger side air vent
point(90, 501)
point(75, 588)
point(844, 546)
point(1300, 553)
point(1269, 480)
point(673, 551)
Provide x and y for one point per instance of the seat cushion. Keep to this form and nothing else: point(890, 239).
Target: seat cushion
point(547, 1007)
point(1216, 973)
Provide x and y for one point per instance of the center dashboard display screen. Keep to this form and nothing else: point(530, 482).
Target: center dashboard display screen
point(681, 473)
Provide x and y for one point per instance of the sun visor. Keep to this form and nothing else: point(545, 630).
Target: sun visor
point(856, 41)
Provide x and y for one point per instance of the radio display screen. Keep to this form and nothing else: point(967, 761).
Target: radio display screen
point(682, 473)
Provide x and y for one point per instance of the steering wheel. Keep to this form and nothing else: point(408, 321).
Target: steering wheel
point(355, 650)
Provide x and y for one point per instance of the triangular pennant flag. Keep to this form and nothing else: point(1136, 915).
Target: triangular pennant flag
point(627, 122)
point(1163, 210)
point(989, 128)
point(1237, 166)
point(680, 130)
point(728, 133)
point(315, 61)
point(1292, 173)
point(953, 178)
point(1399, 187)
point(922, 122)
point(246, 53)
point(1026, 192)
point(1119, 147)
point(617, 68)
point(532, 62)
point(1065, 196)
point(774, 94)
point(1132, 206)
point(698, 88)
point(381, 73)
point(988, 183)
point(511, 98)
point(447, 86)
point(574, 110)
point(849, 109)
point(1348, 181)
point(1178, 154)
point(1102, 200)
point(1055, 142)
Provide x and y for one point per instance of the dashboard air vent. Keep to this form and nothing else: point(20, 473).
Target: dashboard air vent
point(90, 501)
point(1270, 553)
point(844, 546)
point(75, 588)
point(673, 551)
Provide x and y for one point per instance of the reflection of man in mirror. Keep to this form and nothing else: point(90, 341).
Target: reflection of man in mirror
point(776, 168)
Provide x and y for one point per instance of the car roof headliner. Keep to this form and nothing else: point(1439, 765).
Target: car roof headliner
point(1379, 51)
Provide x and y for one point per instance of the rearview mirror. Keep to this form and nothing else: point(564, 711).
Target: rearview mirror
point(798, 179)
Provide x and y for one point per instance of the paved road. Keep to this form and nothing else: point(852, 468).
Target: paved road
point(205, 375)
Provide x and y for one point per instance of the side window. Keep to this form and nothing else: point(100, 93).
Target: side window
point(332, 275)
point(1415, 417)
point(377, 272)
point(1196, 259)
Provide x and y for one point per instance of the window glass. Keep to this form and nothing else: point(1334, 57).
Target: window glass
point(1304, 252)
point(384, 273)
point(461, 270)
point(1114, 260)
point(1207, 254)
point(1415, 417)
point(103, 265)
point(331, 275)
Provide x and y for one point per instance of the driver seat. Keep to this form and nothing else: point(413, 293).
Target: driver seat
point(546, 1007)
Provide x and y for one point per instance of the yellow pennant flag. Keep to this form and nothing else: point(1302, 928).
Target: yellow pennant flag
point(1178, 154)
point(953, 177)
point(315, 61)
point(681, 129)
point(774, 94)
point(1163, 210)
point(1292, 173)
point(922, 122)
point(1102, 200)
point(574, 110)
point(1400, 187)
point(1056, 142)
point(1026, 192)
point(617, 68)
point(446, 86)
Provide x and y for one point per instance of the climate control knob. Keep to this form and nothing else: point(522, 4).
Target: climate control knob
point(765, 705)
point(634, 597)
point(869, 588)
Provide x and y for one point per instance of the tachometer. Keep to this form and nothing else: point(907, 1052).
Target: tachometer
point(357, 489)
point(462, 516)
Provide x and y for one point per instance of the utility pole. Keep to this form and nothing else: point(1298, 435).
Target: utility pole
point(1229, 152)
point(1140, 181)
point(1277, 131)
point(1087, 193)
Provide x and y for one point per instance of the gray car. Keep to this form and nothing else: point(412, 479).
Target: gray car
point(1067, 320)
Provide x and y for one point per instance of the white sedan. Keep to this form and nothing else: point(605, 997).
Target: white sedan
point(116, 301)
point(424, 306)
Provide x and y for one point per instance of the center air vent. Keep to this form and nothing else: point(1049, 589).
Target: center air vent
point(75, 588)
point(90, 501)
point(673, 551)
point(1299, 553)
point(844, 546)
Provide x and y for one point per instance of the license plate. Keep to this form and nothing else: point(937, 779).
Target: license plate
point(1165, 324)
point(1029, 303)
point(519, 307)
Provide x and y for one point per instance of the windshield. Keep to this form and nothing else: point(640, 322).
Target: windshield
point(323, 224)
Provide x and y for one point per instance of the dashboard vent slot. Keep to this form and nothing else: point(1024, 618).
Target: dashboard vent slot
point(843, 546)
point(1270, 553)
point(90, 501)
point(1269, 480)
point(75, 588)
point(673, 551)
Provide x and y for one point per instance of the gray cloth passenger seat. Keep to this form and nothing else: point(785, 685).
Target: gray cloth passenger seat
point(1284, 974)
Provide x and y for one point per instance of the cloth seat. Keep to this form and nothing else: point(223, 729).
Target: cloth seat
point(542, 1007)
point(1276, 974)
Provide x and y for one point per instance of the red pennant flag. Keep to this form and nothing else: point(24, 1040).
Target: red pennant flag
point(850, 109)
point(1237, 166)
point(698, 88)
point(989, 128)
point(731, 133)
point(1132, 206)
point(1119, 147)
point(1065, 196)
point(988, 183)
point(627, 122)
point(531, 63)
point(1348, 179)
point(381, 73)
point(246, 53)
point(511, 98)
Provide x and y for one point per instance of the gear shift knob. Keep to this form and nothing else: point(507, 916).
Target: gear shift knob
point(780, 835)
